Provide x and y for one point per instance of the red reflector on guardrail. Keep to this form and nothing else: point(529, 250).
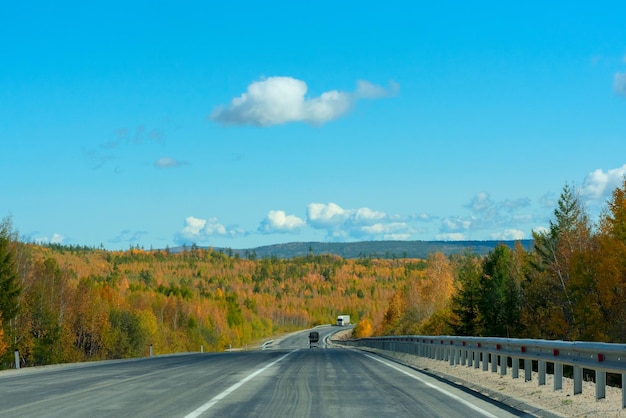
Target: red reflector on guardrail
point(600, 357)
point(523, 349)
point(479, 344)
point(555, 352)
point(498, 346)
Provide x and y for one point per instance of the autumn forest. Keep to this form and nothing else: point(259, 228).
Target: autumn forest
point(67, 304)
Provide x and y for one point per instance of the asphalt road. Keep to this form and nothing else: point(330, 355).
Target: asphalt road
point(286, 380)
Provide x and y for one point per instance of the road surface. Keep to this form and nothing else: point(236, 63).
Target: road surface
point(285, 380)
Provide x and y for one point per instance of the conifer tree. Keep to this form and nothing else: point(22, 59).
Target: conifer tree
point(466, 317)
point(570, 232)
point(9, 284)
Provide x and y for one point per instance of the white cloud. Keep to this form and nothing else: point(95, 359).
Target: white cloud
point(279, 221)
point(201, 230)
point(168, 163)
point(508, 234)
point(599, 185)
point(193, 226)
point(548, 200)
point(278, 100)
point(366, 215)
point(361, 223)
point(481, 202)
point(453, 225)
point(55, 239)
point(322, 216)
point(213, 227)
point(619, 84)
point(367, 90)
point(394, 230)
point(128, 236)
point(456, 236)
point(423, 217)
point(541, 230)
point(514, 204)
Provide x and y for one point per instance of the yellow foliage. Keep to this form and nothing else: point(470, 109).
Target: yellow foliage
point(363, 329)
point(3, 344)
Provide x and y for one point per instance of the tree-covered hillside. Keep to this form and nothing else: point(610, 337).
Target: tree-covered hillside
point(369, 249)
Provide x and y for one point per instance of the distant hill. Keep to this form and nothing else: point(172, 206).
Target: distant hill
point(368, 249)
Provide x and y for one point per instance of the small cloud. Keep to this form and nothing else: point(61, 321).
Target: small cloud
point(168, 163)
point(619, 84)
point(128, 236)
point(279, 221)
point(514, 204)
point(424, 217)
point(367, 90)
point(541, 230)
point(55, 239)
point(201, 230)
point(322, 216)
point(453, 225)
point(451, 237)
point(599, 185)
point(193, 226)
point(481, 202)
point(389, 231)
point(367, 216)
point(548, 200)
point(508, 235)
point(279, 100)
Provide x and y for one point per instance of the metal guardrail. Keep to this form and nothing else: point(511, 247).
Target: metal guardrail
point(492, 353)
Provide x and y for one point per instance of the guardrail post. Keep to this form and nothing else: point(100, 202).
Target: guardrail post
point(476, 359)
point(558, 376)
point(485, 361)
point(578, 380)
point(515, 363)
point(600, 384)
point(623, 390)
point(503, 364)
point(542, 372)
point(17, 358)
point(528, 370)
point(150, 350)
point(494, 363)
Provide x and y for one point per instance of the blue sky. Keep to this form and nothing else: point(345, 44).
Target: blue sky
point(162, 123)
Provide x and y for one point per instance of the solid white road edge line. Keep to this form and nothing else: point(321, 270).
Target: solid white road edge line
point(445, 392)
point(231, 389)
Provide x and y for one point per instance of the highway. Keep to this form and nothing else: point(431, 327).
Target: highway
point(285, 380)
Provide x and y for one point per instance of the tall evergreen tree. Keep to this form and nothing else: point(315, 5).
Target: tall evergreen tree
point(499, 296)
point(9, 285)
point(569, 233)
point(466, 319)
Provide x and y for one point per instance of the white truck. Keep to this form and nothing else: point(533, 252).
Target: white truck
point(343, 320)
